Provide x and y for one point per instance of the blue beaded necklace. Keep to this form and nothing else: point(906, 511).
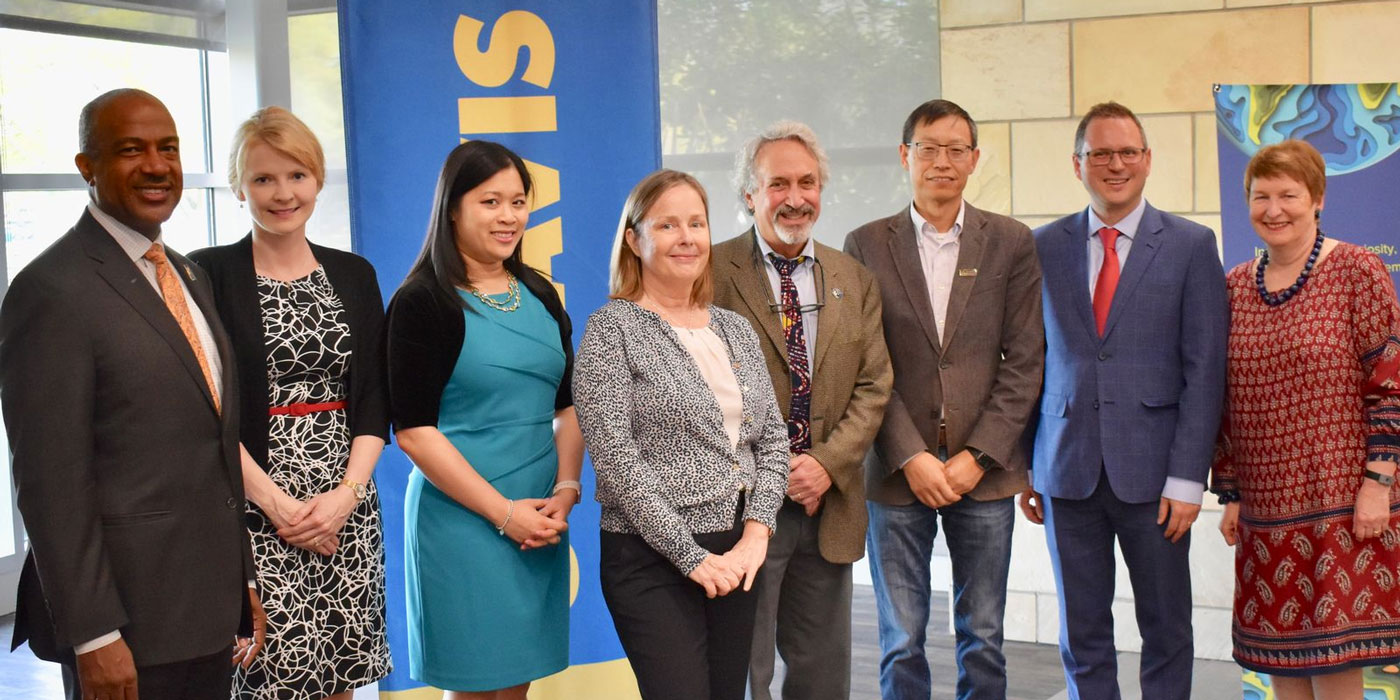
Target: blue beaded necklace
point(1276, 298)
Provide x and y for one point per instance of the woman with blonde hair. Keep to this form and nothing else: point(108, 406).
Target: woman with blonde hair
point(1310, 441)
point(690, 451)
point(306, 324)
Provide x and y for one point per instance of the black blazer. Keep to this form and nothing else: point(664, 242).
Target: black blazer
point(426, 332)
point(230, 269)
point(128, 478)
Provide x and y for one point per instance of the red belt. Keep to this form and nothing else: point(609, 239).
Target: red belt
point(301, 409)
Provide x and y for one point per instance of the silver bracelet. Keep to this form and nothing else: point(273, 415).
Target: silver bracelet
point(510, 511)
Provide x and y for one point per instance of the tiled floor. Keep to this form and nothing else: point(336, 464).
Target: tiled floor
point(1033, 670)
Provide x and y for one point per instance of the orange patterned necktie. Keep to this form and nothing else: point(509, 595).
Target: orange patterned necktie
point(175, 301)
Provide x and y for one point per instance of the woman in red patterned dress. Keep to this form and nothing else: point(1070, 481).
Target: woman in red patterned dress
point(1307, 459)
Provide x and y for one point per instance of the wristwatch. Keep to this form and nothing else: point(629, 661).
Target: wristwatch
point(1384, 479)
point(356, 488)
point(984, 460)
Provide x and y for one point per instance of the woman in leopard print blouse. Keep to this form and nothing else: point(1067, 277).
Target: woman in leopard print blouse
point(690, 451)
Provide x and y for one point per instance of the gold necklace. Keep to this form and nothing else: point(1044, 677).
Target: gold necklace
point(511, 303)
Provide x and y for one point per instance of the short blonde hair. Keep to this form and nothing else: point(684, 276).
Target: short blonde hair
point(1294, 159)
point(625, 275)
point(281, 130)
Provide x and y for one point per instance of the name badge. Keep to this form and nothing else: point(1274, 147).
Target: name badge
point(967, 272)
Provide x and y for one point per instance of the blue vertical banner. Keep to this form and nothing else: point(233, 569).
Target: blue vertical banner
point(570, 86)
point(1356, 128)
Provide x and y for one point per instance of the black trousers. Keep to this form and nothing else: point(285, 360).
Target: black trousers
point(681, 645)
point(204, 678)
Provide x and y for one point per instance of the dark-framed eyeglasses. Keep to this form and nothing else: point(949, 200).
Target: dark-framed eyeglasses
point(928, 150)
point(819, 274)
point(1104, 156)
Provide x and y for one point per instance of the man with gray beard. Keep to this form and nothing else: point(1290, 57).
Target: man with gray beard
point(817, 312)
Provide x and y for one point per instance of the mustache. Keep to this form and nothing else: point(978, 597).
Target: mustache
point(806, 209)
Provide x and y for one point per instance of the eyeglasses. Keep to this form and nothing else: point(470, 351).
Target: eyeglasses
point(1103, 156)
point(777, 308)
point(927, 150)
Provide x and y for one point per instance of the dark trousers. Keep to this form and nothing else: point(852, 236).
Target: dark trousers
point(204, 678)
point(681, 645)
point(804, 612)
point(1081, 535)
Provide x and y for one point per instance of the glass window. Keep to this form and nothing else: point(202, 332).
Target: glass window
point(40, 123)
point(313, 42)
point(314, 49)
point(114, 17)
point(35, 219)
point(850, 69)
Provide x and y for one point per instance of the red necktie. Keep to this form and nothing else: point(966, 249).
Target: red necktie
point(1108, 277)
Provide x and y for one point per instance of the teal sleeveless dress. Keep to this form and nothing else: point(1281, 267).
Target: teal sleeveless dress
point(483, 615)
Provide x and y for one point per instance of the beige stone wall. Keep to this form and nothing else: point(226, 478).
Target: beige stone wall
point(1025, 69)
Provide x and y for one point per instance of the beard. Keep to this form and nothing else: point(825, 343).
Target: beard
point(793, 235)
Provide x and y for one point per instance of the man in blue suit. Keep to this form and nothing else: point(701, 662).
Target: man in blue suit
point(1136, 319)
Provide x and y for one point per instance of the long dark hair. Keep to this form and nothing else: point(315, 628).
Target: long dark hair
point(466, 167)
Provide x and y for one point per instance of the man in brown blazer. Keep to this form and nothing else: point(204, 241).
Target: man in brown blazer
point(818, 313)
point(963, 325)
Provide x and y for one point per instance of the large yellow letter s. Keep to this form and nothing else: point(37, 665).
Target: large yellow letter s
point(496, 65)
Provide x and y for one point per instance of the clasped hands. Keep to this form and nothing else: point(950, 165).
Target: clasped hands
point(722, 574)
point(937, 483)
point(808, 482)
point(539, 522)
point(314, 525)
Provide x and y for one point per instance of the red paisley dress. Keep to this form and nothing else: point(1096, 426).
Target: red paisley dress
point(1313, 395)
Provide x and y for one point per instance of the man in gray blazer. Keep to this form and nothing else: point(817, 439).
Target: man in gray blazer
point(120, 403)
point(961, 290)
point(831, 373)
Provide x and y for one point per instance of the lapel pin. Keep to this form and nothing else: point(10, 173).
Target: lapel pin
point(189, 274)
point(836, 292)
point(967, 272)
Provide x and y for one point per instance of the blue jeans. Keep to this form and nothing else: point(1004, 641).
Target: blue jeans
point(900, 540)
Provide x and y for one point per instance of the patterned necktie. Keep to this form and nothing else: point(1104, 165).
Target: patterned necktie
point(1108, 277)
point(175, 301)
point(799, 412)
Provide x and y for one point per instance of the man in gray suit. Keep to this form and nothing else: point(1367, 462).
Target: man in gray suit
point(120, 403)
point(961, 290)
point(817, 312)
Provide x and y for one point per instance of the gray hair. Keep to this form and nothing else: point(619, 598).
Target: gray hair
point(744, 180)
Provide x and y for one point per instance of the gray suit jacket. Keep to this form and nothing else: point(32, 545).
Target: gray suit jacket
point(851, 374)
point(128, 478)
point(984, 376)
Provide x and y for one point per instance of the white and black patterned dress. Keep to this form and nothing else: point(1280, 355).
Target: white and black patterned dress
point(325, 614)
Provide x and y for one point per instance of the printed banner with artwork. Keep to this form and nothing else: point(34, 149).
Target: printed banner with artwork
point(1356, 127)
point(571, 87)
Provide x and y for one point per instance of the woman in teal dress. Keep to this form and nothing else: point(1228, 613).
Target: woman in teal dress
point(480, 358)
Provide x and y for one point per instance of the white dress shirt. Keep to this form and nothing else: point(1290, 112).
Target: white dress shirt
point(938, 253)
point(135, 245)
point(804, 278)
point(1176, 488)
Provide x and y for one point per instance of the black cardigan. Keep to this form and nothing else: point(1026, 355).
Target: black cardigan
point(230, 269)
point(426, 332)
